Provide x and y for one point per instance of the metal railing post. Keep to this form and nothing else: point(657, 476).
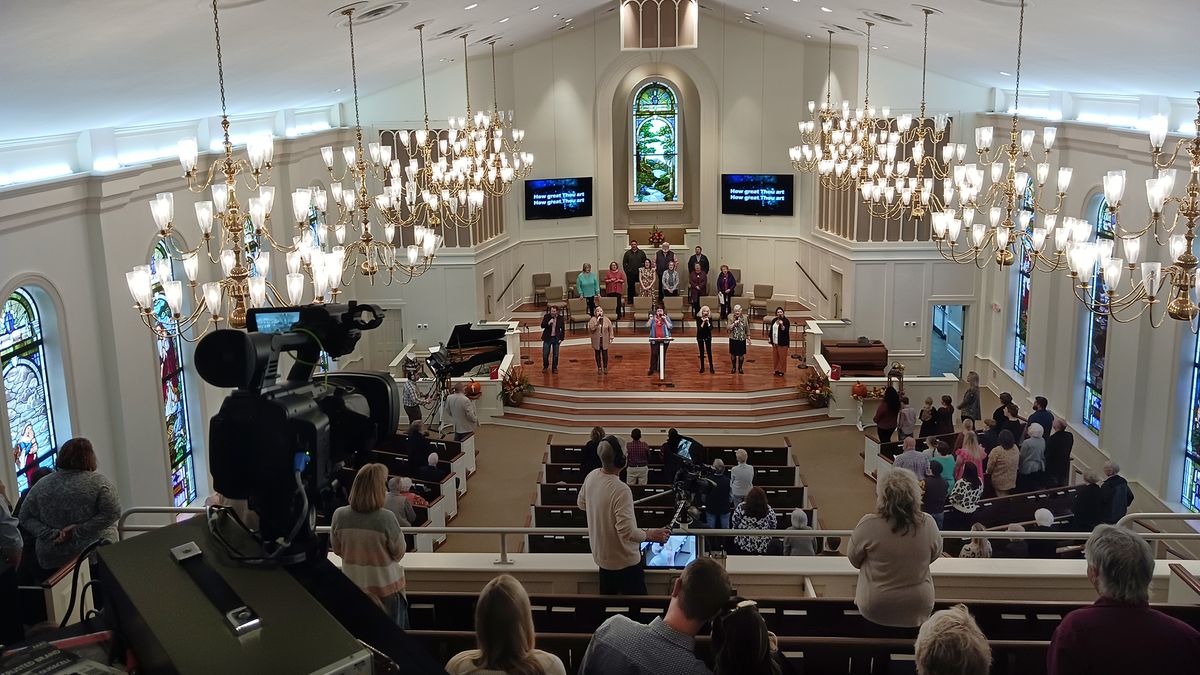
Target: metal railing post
point(504, 550)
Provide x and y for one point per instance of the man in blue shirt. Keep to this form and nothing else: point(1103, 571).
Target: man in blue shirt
point(1041, 415)
point(665, 646)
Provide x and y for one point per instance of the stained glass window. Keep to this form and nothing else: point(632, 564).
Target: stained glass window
point(1024, 279)
point(1191, 454)
point(173, 379)
point(26, 386)
point(656, 153)
point(1097, 330)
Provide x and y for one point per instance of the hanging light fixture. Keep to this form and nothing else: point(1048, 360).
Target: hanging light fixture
point(904, 176)
point(240, 233)
point(841, 146)
point(1015, 196)
point(1093, 264)
point(326, 264)
point(505, 162)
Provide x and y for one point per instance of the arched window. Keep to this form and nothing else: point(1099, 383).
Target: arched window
point(1024, 277)
point(1191, 453)
point(174, 387)
point(1096, 335)
point(655, 144)
point(26, 386)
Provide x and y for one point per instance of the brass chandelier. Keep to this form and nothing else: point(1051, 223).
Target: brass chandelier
point(1096, 275)
point(1015, 196)
point(368, 255)
point(243, 262)
point(905, 176)
point(841, 146)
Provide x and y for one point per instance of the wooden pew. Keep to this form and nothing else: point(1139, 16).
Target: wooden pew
point(565, 494)
point(1016, 508)
point(764, 476)
point(454, 458)
point(433, 515)
point(398, 466)
point(780, 455)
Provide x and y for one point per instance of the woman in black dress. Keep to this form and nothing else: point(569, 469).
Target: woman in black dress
point(704, 337)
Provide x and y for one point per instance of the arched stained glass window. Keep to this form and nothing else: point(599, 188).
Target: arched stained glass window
point(1191, 454)
point(655, 145)
point(1024, 279)
point(174, 387)
point(1096, 335)
point(26, 386)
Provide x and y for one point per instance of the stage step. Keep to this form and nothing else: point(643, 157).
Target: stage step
point(657, 423)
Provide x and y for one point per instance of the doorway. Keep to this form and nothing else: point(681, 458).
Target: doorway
point(835, 291)
point(947, 340)
point(489, 290)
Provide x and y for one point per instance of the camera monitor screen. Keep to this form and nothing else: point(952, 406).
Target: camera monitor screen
point(684, 449)
point(677, 553)
point(281, 320)
point(555, 198)
point(757, 194)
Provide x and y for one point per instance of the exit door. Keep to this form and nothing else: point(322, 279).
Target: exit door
point(947, 340)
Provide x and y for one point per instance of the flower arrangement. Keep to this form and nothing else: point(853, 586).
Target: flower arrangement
point(514, 386)
point(861, 392)
point(657, 237)
point(817, 388)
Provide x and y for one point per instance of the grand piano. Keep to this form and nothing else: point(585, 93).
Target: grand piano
point(472, 346)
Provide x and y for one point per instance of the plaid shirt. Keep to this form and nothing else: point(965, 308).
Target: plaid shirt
point(637, 453)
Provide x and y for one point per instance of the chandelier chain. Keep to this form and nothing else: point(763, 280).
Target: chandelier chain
point(829, 71)
point(424, 93)
point(867, 89)
point(466, 74)
point(220, 66)
point(495, 96)
point(1020, 44)
point(353, 66)
point(924, 61)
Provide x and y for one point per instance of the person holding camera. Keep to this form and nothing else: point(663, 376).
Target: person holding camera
point(612, 527)
point(553, 333)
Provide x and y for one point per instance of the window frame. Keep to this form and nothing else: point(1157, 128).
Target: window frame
point(635, 155)
point(1189, 494)
point(186, 462)
point(1024, 281)
point(31, 353)
point(1093, 387)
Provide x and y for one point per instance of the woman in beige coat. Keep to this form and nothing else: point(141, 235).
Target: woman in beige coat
point(892, 549)
point(601, 329)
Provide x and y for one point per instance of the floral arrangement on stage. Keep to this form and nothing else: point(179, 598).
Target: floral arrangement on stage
point(817, 388)
point(514, 386)
point(861, 392)
point(657, 237)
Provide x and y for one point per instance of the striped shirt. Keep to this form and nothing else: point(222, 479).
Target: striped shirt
point(370, 546)
point(637, 453)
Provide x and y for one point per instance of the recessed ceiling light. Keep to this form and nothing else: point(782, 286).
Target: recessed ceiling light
point(503, 20)
point(875, 49)
point(569, 20)
point(1005, 74)
point(471, 6)
point(808, 37)
point(826, 9)
point(535, 8)
point(336, 91)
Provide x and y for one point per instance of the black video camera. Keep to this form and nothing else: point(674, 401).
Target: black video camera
point(693, 481)
point(279, 444)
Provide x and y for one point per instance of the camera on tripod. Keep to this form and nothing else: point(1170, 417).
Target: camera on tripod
point(692, 483)
point(279, 444)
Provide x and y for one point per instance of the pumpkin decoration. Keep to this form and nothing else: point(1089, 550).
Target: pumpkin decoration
point(859, 390)
point(474, 390)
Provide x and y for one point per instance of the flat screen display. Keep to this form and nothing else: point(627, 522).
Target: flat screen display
point(272, 320)
point(677, 553)
point(757, 194)
point(555, 198)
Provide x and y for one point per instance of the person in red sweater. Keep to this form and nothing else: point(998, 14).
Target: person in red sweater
point(1120, 633)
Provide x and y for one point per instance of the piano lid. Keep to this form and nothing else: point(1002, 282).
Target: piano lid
point(470, 334)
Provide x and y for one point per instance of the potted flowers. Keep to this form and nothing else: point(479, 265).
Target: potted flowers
point(514, 386)
point(817, 388)
point(657, 236)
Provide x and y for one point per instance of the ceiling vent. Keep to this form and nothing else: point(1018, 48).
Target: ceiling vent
point(367, 12)
point(486, 39)
point(227, 4)
point(455, 32)
point(885, 18)
point(1007, 3)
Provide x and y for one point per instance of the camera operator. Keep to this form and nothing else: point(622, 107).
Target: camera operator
point(678, 448)
point(612, 528)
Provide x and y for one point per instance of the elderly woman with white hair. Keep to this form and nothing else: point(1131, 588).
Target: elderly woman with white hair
point(950, 643)
point(741, 477)
point(1120, 633)
point(1031, 472)
point(892, 549)
point(799, 545)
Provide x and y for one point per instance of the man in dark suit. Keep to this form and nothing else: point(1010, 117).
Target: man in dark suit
point(700, 258)
point(1117, 496)
point(1058, 452)
point(661, 259)
point(631, 262)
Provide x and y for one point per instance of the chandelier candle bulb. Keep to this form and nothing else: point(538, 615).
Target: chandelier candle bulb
point(220, 197)
point(262, 263)
point(212, 298)
point(258, 292)
point(1151, 274)
point(327, 156)
point(1049, 221)
point(1048, 136)
point(228, 261)
point(188, 151)
point(1062, 237)
point(320, 199)
point(191, 266)
point(301, 200)
point(1039, 238)
point(160, 210)
point(1158, 131)
point(1166, 180)
point(295, 287)
point(1114, 187)
point(389, 233)
point(978, 231)
point(373, 151)
point(954, 228)
point(1027, 137)
point(1177, 245)
point(1064, 179)
point(138, 281)
point(1154, 196)
point(173, 290)
point(349, 155)
point(1132, 248)
point(293, 260)
point(258, 214)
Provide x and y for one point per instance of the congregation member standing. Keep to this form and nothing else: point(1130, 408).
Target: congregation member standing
point(719, 501)
point(704, 330)
point(912, 459)
point(969, 405)
point(410, 397)
point(753, 513)
point(614, 286)
point(1006, 400)
point(662, 260)
point(1012, 421)
point(416, 445)
point(601, 330)
point(990, 436)
point(462, 412)
point(892, 549)
point(613, 533)
point(367, 538)
point(669, 282)
point(1031, 474)
point(741, 476)
point(906, 419)
point(660, 338)
point(697, 287)
point(1003, 462)
point(12, 629)
point(945, 416)
point(971, 452)
point(589, 459)
point(780, 332)
point(698, 258)
point(928, 417)
point(553, 334)
point(1115, 491)
point(1120, 633)
point(726, 286)
point(587, 286)
point(968, 490)
point(1040, 414)
point(1058, 453)
point(739, 338)
point(647, 281)
point(505, 635)
point(632, 263)
point(666, 645)
point(950, 643)
point(1087, 509)
point(887, 414)
point(637, 455)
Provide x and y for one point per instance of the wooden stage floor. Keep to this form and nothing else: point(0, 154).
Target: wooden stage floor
point(628, 363)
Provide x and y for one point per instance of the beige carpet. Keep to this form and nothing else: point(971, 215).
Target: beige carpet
point(500, 492)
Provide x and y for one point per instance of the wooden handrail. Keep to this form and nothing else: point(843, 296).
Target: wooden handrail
point(814, 283)
point(510, 281)
point(1186, 577)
